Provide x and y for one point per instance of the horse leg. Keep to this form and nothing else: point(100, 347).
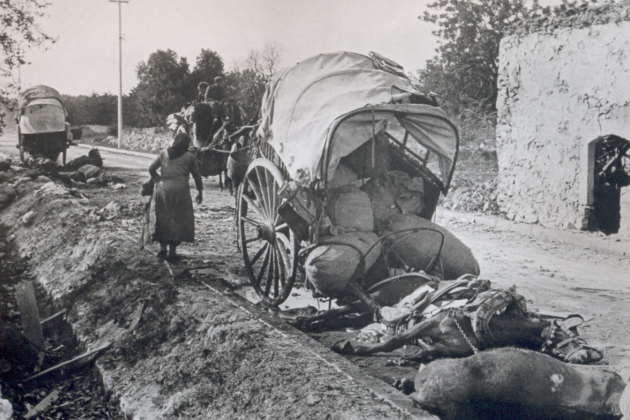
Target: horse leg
point(439, 350)
point(396, 342)
point(229, 184)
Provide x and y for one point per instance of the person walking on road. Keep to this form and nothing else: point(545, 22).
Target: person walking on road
point(174, 217)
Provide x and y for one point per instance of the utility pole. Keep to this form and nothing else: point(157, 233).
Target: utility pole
point(19, 69)
point(120, 39)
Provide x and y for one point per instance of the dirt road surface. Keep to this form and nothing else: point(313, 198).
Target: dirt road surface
point(200, 352)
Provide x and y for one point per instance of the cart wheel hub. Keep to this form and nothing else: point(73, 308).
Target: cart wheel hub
point(268, 233)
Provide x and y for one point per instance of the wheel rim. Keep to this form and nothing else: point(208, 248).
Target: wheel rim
point(269, 247)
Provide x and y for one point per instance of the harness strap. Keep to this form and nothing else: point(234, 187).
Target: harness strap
point(484, 314)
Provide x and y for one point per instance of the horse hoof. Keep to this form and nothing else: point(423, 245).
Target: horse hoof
point(343, 347)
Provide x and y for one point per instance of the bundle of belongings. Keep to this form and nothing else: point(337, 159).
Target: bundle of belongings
point(463, 317)
point(376, 217)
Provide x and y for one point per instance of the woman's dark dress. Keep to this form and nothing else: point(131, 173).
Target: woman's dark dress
point(174, 218)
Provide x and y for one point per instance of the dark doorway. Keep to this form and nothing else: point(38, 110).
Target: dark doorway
point(612, 172)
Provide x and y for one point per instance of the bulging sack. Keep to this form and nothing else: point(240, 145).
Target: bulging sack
point(418, 249)
point(330, 266)
point(343, 176)
point(383, 197)
point(350, 208)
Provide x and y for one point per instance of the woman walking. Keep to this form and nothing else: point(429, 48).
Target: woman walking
point(174, 218)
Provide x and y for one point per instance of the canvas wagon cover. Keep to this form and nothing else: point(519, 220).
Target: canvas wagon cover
point(38, 92)
point(304, 102)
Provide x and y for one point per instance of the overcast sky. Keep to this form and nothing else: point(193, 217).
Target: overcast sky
point(85, 57)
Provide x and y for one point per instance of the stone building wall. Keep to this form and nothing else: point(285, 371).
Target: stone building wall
point(560, 87)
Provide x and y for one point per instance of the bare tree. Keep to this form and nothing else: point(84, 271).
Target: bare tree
point(265, 62)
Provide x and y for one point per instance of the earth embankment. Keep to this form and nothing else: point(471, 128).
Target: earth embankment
point(183, 345)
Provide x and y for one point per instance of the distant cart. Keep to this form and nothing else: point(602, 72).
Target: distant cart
point(315, 114)
point(42, 127)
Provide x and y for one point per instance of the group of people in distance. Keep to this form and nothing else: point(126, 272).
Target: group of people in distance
point(211, 93)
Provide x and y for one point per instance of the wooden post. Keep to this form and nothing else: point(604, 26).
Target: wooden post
point(31, 326)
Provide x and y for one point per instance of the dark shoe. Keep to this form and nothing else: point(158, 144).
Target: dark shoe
point(162, 254)
point(173, 258)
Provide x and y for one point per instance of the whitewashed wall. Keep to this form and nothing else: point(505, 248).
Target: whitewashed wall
point(558, 92)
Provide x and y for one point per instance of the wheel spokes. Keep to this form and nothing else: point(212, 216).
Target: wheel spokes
point(283, 256)
point(282, 226)
point(253, 205)
point(276, 279)
point(250, 240)
point(258, 254)
point(250, 221)
point(273, 267)
point(283, 238)
point(257, 192)
point(284, 264)
point(270, 274)
point(263, 268)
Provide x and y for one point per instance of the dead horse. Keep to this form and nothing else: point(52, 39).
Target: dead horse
point(455, 334)
point(517, 384)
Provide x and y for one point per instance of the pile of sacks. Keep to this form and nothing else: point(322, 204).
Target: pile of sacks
point(388, 205)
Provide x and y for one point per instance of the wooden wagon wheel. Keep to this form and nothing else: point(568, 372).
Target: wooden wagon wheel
point(269, 247)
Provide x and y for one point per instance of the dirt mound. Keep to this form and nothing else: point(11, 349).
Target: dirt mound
point(178, 348)
point(474, 184)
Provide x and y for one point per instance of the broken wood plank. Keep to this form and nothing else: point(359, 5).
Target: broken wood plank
point(69, 362)
point(137, 316)
point(31, 326)
point(53, 317)
point(43, 405)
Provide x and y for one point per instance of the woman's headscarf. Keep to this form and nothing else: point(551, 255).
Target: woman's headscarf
point(179, 147)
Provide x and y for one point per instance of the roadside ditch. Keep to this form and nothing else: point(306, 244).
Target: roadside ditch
point(178, 349)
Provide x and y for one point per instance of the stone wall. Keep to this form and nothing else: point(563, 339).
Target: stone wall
point(559, 90)
point(151, 139)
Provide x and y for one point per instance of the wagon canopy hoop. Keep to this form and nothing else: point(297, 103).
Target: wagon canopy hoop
point(307, 106)
point(427, 125)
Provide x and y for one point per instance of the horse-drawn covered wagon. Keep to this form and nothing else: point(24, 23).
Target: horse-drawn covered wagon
point(351, 160)
point(42, 127)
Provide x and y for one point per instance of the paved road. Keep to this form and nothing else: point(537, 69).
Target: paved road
point(8, 143)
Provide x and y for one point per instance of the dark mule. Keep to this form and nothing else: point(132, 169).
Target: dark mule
point(465, 331)
point(212, 124)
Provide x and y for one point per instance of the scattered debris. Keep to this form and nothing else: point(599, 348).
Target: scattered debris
point(137, 316)
point(69, 363)
point(31, 325)
point(53, 188)
point(53, 317)
point(6, 409)
point(28, 218)
point(7, 194)
point(43, 405)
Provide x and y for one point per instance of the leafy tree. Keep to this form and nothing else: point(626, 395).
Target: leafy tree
point(208, 66)
point(246, 83)
point(246, 88)
point(464, 71)
point(18, 31)
point(96, 109)
point(163, 87)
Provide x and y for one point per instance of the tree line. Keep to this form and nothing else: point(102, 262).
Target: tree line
point(463, 72)
point(166, 83)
